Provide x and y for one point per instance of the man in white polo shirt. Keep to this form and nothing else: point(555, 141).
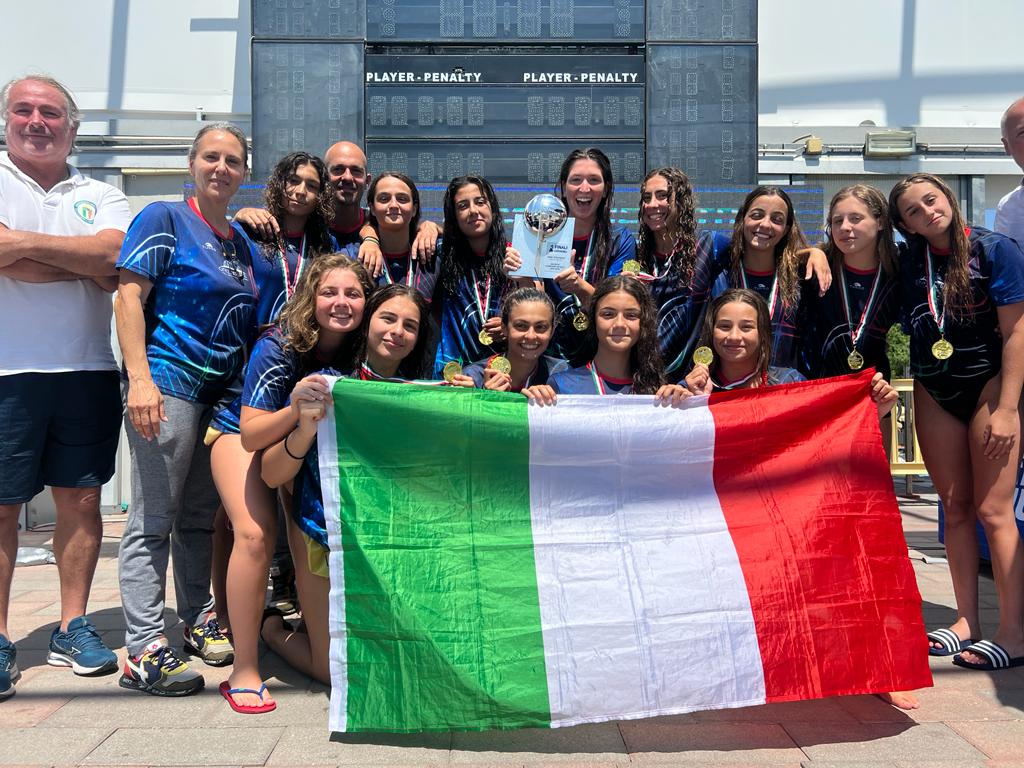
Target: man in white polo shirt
point(60, 407)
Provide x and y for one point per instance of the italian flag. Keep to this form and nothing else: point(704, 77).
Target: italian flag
point(500, 565)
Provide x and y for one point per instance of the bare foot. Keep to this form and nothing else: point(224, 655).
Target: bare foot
point(900, 699)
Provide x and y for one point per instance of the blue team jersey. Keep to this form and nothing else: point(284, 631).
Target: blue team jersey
point(580, 381)
point(546, 367)
point(402, 268)
point(275, 284)
point(785, 333)
point(683, 300)
point(826, 339)
point(568, 342)
point(201, 310)
point(460, 316)
point(272, 372)
point(996, 272)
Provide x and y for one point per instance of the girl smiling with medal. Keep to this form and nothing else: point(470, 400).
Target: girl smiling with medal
point(394, 331)
point(600, 247)
point(764, 255)
point(394, 214)
point(472, 282)
point(964, 296)
point(845, 330)
point(528, 322)
point(622, 330)
point(738, 333)
point(678, 265)
point(298, 197)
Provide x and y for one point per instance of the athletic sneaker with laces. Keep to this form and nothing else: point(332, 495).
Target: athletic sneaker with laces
point(82, 649)
point(209, 643)
point(159, 670)
point(9, 673)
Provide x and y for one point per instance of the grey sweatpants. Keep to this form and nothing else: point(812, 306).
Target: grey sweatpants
point(172, 509)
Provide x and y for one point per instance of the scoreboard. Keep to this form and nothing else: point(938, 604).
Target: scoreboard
point(506, 88)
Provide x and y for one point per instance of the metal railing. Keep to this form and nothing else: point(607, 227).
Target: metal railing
point(905, 452)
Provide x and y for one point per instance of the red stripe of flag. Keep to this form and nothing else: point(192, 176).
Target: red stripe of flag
point(804, 484)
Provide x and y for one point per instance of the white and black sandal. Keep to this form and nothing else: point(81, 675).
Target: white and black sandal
point(949, 640)
point(994, 654)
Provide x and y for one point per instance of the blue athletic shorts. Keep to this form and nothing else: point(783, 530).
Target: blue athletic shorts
point(58, 429)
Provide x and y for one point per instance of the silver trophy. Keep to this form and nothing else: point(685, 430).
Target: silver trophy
point(544, 215)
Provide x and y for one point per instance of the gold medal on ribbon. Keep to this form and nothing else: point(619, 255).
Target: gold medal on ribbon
point(703, 355)
point(580, 322)
point(500, 364)
point(451, 370)
point(942, 349)
point(485, 338)
point(855, 360)
point(632, 267)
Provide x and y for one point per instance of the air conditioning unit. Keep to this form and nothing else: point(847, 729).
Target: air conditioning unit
point(889, 143)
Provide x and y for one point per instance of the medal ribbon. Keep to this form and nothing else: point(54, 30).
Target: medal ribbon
point(289, 287)
point(772, 294)
point(482, 304)
point(855, 333)
point(933, 301)
point(598, 381)
point(408, 275)
point(366, 373)
point(585, 267)
point(738, 384)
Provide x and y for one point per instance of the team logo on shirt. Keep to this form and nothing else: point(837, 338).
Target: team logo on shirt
point(86, 211)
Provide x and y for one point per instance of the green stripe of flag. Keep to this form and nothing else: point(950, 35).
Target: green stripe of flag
point(434, 561)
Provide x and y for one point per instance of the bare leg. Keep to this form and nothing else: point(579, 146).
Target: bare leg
point(250, 507)
point(306, 651)
point(994, 485)
point(8, 554)
point(944, 443)
point(223, 540)
point(76, 547)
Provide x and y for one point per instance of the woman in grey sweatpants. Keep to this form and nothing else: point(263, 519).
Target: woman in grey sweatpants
point(185, 310)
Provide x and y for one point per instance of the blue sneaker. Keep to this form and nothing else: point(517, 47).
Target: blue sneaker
point(82, 649)
point(9, 673)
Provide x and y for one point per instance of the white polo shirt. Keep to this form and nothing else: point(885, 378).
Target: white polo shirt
point(60, 326)
point(1010, 215)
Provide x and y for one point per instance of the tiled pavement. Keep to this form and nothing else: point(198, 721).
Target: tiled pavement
point(967, 720)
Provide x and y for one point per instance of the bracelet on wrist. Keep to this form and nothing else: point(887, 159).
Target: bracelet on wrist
point(288, 451)
point(371, 239)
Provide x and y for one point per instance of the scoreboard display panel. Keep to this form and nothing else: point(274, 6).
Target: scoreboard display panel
point(507, 88)
point(508, 162)
point(507, 21)
point(527, 97)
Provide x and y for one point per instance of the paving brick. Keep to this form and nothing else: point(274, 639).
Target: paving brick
point(881, 742)
point(169, 745)
point(709, 743)
point(998, 740)
point(309, 745)
point(600, 742)
point(24, 746)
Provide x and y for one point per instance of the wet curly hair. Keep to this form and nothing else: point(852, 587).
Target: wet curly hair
point(682, 224)
point(318, 240)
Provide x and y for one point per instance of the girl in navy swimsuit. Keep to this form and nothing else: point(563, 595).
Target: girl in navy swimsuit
point(964, 298)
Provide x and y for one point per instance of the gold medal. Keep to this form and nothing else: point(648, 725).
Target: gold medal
point(942, 349)
point(632, 267)
point(703, 356)
point(580, 322)
point(485, 338)
point(500, 364)
point(855, 360)
point(451, 370)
